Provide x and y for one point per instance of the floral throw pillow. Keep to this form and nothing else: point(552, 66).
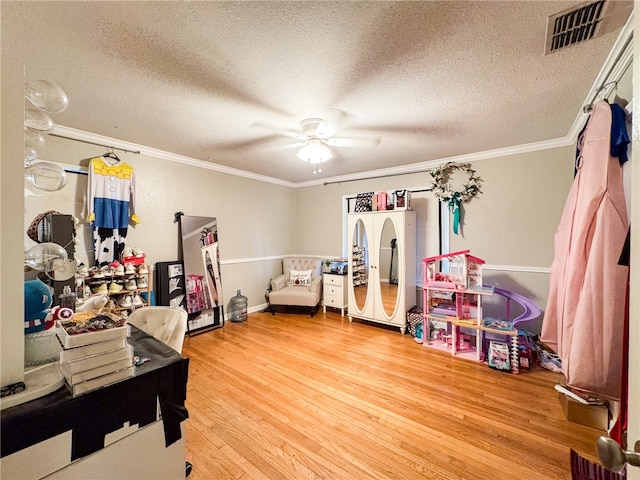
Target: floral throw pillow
point(299, 277)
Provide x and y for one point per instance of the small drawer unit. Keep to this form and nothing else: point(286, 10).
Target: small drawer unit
point(334, 292)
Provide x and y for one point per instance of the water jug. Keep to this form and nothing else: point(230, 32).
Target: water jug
point(238, 308)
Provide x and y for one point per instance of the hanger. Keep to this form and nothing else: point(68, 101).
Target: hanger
point(111, 155)
point(589, 108)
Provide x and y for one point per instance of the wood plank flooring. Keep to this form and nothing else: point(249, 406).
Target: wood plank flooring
point(294, 397)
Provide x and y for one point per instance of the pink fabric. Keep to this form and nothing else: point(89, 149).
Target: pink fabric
point(584, 317)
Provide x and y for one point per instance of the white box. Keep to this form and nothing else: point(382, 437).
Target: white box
point(69, 341)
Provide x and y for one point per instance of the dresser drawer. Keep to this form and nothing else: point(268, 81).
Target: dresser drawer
point(333, 279)
point(332, 290)
point(334, 301)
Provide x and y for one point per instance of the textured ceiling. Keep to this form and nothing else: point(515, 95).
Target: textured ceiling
point(432, 79)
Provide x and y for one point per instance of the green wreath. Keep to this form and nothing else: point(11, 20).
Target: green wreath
point(440, 188)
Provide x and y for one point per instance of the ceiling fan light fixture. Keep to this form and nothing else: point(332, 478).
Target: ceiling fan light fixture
point(315, 151)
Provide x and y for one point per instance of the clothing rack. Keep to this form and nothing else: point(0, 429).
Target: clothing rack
point(616, 71)
point(137, 152)
point(377, 176)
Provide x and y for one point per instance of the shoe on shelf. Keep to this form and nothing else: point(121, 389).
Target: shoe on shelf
point(141, 282)
point(115, 287)
point(138, 252)
point(83, 271)
point(143, 269)
point(102, 288)
point(130, 284)
point(95, 272)
point(120, 270)
point(130, 269)
point(137, 301)
point(125, 301)
point(114, 264)
point(108, 271)
point(127, 252)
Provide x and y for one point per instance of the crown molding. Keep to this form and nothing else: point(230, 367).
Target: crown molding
point(82, 136)
point(421, 167)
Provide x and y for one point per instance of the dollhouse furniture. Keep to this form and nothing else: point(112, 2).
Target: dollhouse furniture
point(371, 294)
point(509, 330)
point(453, 292)
point(285, 291)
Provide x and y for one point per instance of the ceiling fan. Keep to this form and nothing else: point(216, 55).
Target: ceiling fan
point(314, 139)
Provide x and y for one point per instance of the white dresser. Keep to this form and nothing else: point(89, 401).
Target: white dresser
point(334, 290)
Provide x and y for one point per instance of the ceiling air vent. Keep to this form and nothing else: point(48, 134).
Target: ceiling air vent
point(574, 25)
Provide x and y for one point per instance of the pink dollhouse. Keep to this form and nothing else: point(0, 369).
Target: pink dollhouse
point(453, 292)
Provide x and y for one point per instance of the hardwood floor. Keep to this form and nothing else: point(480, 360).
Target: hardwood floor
point(294, 397)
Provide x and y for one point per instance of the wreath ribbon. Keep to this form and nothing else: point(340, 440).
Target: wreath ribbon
point(454, 208)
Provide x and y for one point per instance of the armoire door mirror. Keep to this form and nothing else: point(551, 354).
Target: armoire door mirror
point(201, 258)
point(360, 267)
point(388, 267)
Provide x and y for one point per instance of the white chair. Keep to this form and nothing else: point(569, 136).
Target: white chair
point(284, 293)
point(167, 324)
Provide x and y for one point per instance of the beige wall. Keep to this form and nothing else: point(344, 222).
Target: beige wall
point(254, 218)
point(513, 221)
point(11, 222)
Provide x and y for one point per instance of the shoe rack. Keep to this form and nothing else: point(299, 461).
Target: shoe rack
point(124, 288)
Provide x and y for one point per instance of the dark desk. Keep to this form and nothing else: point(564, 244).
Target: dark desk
point(95, 414)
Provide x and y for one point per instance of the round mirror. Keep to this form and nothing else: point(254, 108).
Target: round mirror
point(388, 267)
point(360, 265)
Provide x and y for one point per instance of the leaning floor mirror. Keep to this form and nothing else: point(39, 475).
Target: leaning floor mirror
point(201, 258)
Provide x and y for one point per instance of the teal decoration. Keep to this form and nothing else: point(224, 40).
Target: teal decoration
point(454, 208)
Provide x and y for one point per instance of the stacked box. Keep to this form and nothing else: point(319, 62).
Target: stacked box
point(94, 359)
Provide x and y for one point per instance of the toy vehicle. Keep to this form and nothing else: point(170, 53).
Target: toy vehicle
point(12, 389)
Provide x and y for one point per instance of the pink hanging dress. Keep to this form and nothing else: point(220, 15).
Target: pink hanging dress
point(584, 317)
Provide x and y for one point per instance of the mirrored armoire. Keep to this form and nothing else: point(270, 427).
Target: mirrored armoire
point(382, 266)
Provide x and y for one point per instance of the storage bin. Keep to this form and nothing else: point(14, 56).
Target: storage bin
point(414, 317)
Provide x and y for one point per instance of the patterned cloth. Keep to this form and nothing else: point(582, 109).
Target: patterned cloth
point(583, 469)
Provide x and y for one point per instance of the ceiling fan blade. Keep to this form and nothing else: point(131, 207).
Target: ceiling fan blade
point(279, 131)
point(290, 145)
point(322, 130)
point(354, 142)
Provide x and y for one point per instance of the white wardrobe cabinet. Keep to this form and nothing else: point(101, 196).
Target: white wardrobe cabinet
point(381, 281)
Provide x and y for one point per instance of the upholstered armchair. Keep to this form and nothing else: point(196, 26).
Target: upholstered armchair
point(300, 284)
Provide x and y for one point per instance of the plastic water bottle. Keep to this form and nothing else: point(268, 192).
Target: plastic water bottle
point(67, 298)
point(238, 308)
